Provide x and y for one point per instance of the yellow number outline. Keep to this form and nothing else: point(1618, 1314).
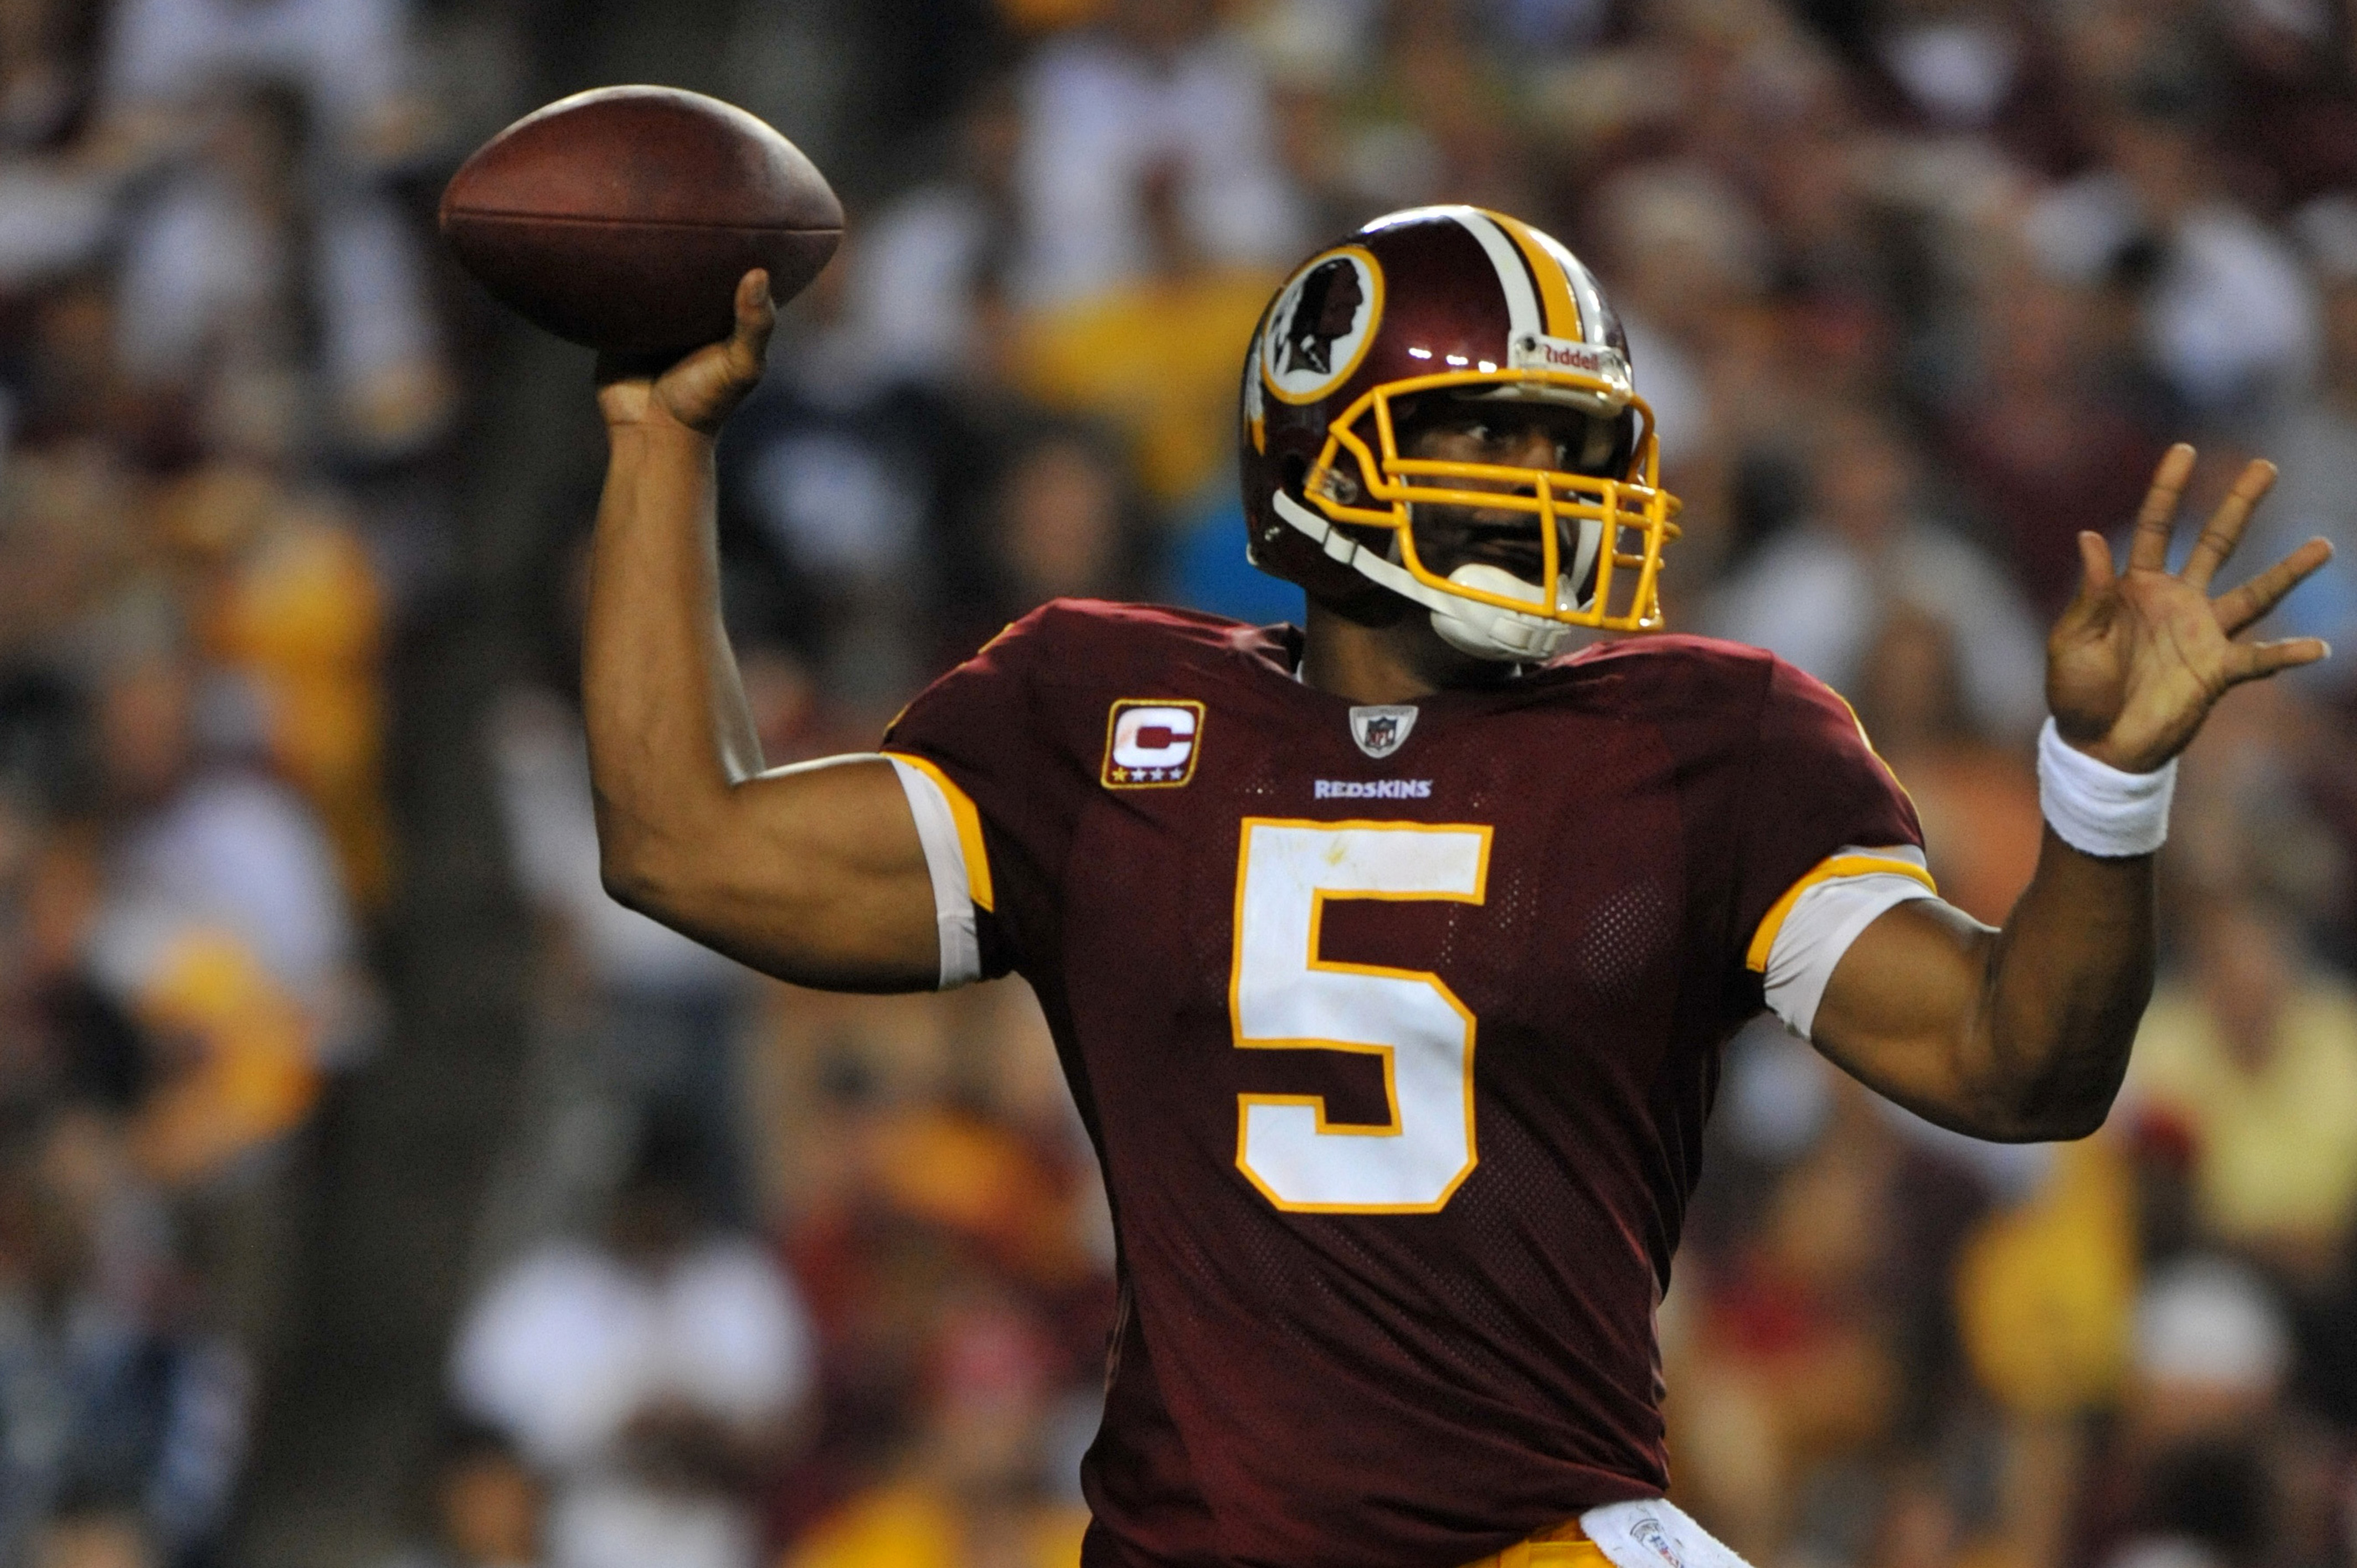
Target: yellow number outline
point(1311, 962)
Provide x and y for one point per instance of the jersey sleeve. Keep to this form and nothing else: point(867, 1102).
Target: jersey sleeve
point(1830, 841)
point(976, 757)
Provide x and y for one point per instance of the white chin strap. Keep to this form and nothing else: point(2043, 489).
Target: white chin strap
point(1485, 631)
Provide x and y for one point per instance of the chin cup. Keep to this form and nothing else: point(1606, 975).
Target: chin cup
point(1488, 631)
point(1485, 631)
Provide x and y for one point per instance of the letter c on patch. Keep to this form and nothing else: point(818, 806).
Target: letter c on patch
point(1153, 737)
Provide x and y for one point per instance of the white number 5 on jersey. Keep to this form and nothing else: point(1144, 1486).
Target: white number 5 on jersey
point(1283, 997)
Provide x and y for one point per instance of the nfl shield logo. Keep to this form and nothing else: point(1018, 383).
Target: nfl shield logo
point(1381, 731)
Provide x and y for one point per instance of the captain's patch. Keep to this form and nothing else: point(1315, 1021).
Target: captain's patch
point(1151, 743)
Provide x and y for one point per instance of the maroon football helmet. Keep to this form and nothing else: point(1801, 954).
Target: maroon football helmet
point(1463, 303)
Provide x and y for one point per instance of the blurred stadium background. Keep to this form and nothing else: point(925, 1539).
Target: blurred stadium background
point(373, 1192)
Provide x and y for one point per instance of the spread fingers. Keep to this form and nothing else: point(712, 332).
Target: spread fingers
point(2224, 528)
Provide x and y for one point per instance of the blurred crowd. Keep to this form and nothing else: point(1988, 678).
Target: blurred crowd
point(1917, 288)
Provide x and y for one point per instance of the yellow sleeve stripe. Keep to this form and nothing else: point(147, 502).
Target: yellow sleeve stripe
point(969, 828)
point(1554, 289)
point(1763, 940)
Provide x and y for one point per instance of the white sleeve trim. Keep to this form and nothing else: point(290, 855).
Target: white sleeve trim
point(945, 863)
point(1820, 926)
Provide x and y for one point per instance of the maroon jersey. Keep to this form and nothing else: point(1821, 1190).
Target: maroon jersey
point(1397, 1064)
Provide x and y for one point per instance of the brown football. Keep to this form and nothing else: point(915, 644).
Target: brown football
point(623, 216)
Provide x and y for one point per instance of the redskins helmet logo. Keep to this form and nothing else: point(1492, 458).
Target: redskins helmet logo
point(1321, 324)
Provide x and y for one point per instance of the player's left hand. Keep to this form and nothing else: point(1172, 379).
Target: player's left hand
point(2135, 662)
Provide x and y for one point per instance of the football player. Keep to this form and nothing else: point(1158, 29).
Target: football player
point(1390, 958)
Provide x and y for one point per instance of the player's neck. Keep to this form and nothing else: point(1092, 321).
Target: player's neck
point(1395, 664)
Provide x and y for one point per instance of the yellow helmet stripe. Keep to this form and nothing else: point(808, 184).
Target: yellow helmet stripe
point(1563, 318)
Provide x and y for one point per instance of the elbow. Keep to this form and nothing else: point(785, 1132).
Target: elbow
point(2085, 1119)
point(2048, 1114)
point(2051, 1079)
point(2072, 1097)
point(650, 865)
point(2013, 1124)
point(627, 883)
point(2067, 1125)
point(638, 876)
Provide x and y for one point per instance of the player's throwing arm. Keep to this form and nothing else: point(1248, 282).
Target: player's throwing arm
point(661, 228)
point(812, 874)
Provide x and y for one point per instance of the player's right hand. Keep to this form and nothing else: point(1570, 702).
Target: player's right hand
point(702, 388)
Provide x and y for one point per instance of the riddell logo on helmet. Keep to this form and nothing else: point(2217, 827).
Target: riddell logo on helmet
point(1537, 352)
point(1565, 356)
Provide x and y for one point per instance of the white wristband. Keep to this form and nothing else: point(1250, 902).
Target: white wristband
point(2096, 808)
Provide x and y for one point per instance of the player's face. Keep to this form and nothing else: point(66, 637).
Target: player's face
point(1505, 434)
